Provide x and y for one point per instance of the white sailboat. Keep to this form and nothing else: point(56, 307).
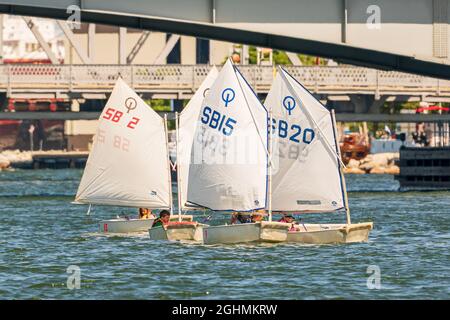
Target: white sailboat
point(229, 159)
point(129, 163)
point(186, 123)
point(307, 175)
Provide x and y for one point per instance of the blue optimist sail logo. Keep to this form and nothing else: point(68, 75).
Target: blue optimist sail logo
point(289, 104)
point(228, 95)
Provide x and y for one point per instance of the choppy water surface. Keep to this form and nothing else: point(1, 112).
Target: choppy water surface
point(42, 233)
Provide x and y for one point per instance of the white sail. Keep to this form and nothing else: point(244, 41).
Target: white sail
point(228, 169)
point(306, 169)
point(187, 125)
point(128, 163)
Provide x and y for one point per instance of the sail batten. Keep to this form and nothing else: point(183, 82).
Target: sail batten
point(306, 176)
point(127, 165)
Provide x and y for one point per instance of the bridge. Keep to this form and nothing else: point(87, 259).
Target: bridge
point(356, 93)
point(181, 81)
point(402, 35)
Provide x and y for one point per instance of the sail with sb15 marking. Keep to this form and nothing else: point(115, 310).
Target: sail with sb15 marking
point(228, 168)
point(187, 125)
point(305, 176)
point(128, 164)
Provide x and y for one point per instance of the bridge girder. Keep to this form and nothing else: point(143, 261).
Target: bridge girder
point(278, 24)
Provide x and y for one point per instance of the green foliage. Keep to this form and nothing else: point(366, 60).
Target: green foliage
point(162, 105)
point(311, 60)
point(280, 57)
point(159, 104)
point(170, 125)
point(252, 55)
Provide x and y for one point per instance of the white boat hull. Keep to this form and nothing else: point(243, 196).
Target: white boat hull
point(178, 232)
point(273, 231)
point(246, 232)
point(331, 233)
point(125, 226)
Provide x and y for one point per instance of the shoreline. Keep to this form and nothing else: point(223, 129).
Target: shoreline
point(380, 163)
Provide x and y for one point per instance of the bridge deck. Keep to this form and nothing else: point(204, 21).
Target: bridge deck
point(341, 117)
point(183, 80)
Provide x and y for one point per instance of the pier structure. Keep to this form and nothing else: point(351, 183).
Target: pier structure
point(51, 160)
point(424, 168)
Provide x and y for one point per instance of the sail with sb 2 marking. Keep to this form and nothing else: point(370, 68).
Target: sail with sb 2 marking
point(228, 168)
point(305, 175)
point(187, 125)
point(128, 163)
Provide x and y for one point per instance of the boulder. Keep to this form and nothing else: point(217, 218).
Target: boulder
point(381, 159)
point(4, 162)
point(378, 170)
point(367, 166)
point(354, 170)
point(353, 164)
point(392, 170)
point(17, 155)
point(378, 160)
point(367, 159)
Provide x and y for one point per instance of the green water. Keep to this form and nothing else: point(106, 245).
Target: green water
point(42, 234)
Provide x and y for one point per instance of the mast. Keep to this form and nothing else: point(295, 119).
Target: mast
point(341, 173)
point(168, 164)
point(270, 164)
point(177, 137)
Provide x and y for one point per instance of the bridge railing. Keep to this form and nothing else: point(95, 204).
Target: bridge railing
point(187, 78)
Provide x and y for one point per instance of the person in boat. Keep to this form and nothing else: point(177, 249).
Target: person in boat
point(145, 213)
point(287, 218)
point(258, 215)
point(164, 218)
point(238, 217)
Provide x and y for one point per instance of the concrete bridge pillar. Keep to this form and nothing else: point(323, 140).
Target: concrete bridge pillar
point(367, 104)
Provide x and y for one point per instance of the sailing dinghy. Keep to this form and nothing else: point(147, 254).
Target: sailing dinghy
point(128, 165)
point(307, 175)
point(186, 123)
point(229, 159)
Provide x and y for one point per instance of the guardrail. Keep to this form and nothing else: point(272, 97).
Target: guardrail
point(187, 78)
point(344, 117)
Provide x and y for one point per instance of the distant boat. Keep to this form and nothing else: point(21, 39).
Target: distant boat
point(186, 123)
point(128, 165)
point(229, 160)
point(307, 174)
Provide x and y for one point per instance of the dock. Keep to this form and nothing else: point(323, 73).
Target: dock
point(52, 160)
point(424, 168)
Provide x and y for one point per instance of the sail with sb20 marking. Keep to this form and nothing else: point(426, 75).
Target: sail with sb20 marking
point(228, 168)
point(187, 125)
point(128, 164)
point(305, 176)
